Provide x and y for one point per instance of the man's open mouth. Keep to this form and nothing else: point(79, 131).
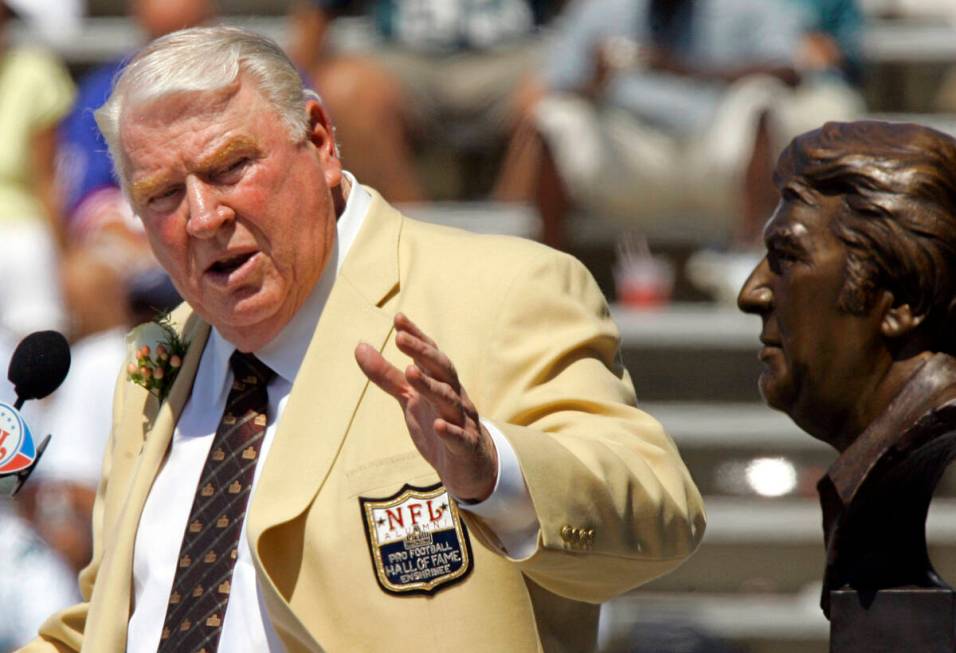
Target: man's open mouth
point(229, 265)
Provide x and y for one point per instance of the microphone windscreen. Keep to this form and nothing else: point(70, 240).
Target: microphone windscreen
point(39, 364)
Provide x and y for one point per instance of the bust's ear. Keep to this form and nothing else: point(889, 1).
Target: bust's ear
point(898, 319)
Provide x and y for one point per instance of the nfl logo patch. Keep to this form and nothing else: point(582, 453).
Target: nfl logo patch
point(17, 452)
point(418, 542)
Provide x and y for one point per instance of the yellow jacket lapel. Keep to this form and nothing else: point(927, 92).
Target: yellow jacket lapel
point(111, 600)
point(328, 387)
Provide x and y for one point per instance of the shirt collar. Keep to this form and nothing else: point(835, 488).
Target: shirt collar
point(284, 354)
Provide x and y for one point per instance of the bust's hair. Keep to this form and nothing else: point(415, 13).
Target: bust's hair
point(897, 183)
point(205, 59)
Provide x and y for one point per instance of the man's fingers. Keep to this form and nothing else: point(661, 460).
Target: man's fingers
point(431, 360)
point(455, 438)
point(403, 323)
point(446, 401)
point(413, 342)
point(476, 448)
point(380, 372)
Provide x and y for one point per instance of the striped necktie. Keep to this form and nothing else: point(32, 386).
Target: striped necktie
point(201, 587)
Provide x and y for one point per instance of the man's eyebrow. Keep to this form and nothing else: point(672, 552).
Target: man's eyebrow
point(222, 154)
point(143, 188)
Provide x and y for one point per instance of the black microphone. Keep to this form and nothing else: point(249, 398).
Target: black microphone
point(38, 366)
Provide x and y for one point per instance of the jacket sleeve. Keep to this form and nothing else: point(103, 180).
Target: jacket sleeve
point(615, 503)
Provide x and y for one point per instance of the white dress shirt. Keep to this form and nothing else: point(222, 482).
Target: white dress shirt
point(246, 625)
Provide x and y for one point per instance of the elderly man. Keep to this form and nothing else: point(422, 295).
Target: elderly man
point(856, 293)
point(491, 520)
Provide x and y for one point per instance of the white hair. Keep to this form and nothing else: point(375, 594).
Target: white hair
point(206, 59)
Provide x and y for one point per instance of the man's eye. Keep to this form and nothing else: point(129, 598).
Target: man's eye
point(164, 199)
point(232, 169)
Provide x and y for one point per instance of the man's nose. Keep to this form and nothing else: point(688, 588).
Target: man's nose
point(755, 295)
point(206, 212)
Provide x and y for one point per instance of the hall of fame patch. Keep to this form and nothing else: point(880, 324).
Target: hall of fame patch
point(418, 542)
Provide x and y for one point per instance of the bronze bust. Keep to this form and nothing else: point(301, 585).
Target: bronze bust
point(857, 294)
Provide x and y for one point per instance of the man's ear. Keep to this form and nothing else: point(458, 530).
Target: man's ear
point(322, 136)
point(898, 319)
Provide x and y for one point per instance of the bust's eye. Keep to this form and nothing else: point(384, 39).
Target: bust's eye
point(780, 260)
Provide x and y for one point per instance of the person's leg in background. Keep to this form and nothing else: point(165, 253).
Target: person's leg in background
point(371, 115)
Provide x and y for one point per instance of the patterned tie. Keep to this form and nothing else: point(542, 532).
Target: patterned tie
point(197, 603)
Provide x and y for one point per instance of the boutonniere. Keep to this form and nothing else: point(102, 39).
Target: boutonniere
point(157, 353)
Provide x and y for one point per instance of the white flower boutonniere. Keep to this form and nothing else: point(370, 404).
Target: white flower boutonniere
point(157, 353)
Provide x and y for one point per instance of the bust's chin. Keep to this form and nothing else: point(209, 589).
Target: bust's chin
point(779, 396)
point(772, 392)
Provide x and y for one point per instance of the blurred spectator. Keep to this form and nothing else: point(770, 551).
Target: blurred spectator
point(107, 243)
point(455, 71)
point(945, 99)
point(913, 9)
point(829, 61)
point(664, 110)
point(55, 21)
point(946, 96)
point(35, 92)
point(833, 40)
point(29, 563)
point(93, 199)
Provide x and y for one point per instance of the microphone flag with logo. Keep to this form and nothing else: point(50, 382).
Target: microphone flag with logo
point(38, 366)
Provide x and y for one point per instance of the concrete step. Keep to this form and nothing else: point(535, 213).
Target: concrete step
point(776, 546)
point(763, 623)
point(748, 450)
point(692, 326)
point(744, 449)
point(508, 218)
point(691, 352)
point(738, 426)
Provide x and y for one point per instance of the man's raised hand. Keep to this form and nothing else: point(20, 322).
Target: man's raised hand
point(441, 419)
